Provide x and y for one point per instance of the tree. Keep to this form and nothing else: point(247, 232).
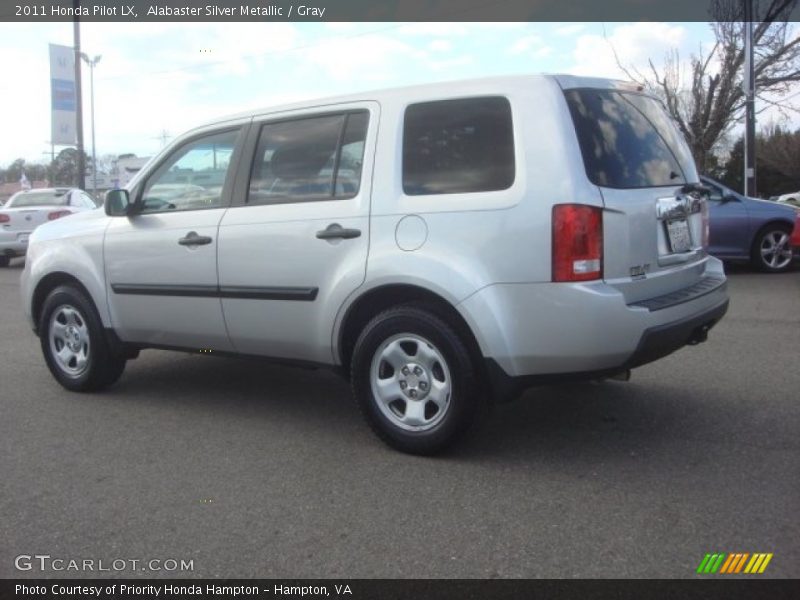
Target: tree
point(779, 151)
point(14, 170)
point(64, 169)
point(777, 162)
point(36, 172)
point(707, 101)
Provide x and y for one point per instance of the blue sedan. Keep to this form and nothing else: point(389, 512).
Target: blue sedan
point(742, 228)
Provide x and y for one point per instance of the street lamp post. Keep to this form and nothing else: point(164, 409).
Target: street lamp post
point(92, 62)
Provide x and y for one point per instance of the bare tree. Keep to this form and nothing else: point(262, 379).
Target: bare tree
point(708, 100)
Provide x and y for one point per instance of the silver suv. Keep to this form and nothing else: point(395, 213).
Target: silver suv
point(443, 246)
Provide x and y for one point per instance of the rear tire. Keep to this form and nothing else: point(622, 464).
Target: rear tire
point(74, 343)
point(4, 260)
point(414, 381)
point(771, 252)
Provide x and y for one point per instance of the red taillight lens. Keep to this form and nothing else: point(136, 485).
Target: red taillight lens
point(58, 214)
point(577, 242)
point(4, 218)
point(795, 239)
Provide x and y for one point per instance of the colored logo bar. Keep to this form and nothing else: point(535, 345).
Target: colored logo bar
point(736, 562)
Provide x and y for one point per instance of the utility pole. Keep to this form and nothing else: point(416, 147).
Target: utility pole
point(750, 102)
point(80, 179)
point(92, 62)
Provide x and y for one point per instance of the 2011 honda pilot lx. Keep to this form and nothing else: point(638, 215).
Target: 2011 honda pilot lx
point(444, 246)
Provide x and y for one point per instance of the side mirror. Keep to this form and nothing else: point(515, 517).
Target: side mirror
point(118, 203)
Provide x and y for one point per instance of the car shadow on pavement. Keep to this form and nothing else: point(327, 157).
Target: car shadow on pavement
point(600, 420)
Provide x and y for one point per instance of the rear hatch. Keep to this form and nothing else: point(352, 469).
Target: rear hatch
point(655, 213)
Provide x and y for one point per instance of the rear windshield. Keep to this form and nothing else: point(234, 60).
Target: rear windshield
point(628, 140)
point(38, 199)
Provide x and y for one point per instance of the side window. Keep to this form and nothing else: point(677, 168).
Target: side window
point(458, 146)
point(715, 195)
point(86, 201)
point(314, 158)
point(193, 176)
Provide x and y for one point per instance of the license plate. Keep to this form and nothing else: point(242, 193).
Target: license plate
point(679, 239)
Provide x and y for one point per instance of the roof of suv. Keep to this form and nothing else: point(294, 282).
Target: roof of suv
point(430, 91)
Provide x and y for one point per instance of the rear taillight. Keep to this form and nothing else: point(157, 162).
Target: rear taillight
point(4, 218)
point(577, 242)
point(57, 214)
point(795, 239)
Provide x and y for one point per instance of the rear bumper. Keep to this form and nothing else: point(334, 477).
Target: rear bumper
point(546, 332)
point(10, 245)
point(655, 342)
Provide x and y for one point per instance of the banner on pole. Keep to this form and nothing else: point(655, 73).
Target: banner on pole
point(62, 94)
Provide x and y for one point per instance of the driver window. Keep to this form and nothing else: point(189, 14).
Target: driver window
point(193, 177)
point(715, 194)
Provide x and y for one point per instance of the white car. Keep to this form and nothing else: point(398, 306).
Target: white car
point(792, 197)
point(28, 209)
point(443, 246)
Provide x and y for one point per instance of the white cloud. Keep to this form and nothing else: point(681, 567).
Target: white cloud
point(367, 57)
point(525, 44)
point(440, 46)
point(633, 43)
point(570, 29)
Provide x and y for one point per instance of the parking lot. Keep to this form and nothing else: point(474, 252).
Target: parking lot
point(257, 470)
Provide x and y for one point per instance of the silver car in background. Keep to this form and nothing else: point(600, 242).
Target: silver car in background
point(28, 209)
point(442, 246)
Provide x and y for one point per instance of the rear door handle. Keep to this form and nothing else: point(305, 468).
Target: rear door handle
point(192, 239)
point(336, 231)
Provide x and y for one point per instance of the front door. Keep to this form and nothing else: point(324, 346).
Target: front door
point(161, 263)
point(294, 245)
point(728, 218)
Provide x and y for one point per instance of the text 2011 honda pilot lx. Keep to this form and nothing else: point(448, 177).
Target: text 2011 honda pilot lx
point(443, 245)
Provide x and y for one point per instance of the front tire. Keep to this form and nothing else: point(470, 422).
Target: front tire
point(74, 344)
point(772, 252)
point(414, 380)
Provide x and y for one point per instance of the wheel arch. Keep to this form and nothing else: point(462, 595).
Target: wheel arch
point(759, 231)
point(773, 221)
point(46, 285)
point(378, 299)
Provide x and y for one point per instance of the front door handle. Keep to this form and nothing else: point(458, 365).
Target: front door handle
point(336, 231)
point(192, 239)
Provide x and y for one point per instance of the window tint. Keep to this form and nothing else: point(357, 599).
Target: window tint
point(348, 175)
point(86, 200)
point(458, 146)
point(715, 193)
point(627, 140)
point(316, 158)
point(51, 198)
point(193, 177)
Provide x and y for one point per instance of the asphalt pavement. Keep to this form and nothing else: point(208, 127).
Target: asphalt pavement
point(253, 470)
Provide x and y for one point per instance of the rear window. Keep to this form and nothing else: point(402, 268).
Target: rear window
point(627, 140)
point(458, 146)
point(38, 199)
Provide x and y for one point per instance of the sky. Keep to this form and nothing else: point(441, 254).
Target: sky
point(168, 77)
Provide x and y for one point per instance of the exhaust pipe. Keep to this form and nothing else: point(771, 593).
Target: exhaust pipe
point(700, 334)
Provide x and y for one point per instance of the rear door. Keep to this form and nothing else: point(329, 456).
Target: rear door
point(653, 223)
point(294, 245)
